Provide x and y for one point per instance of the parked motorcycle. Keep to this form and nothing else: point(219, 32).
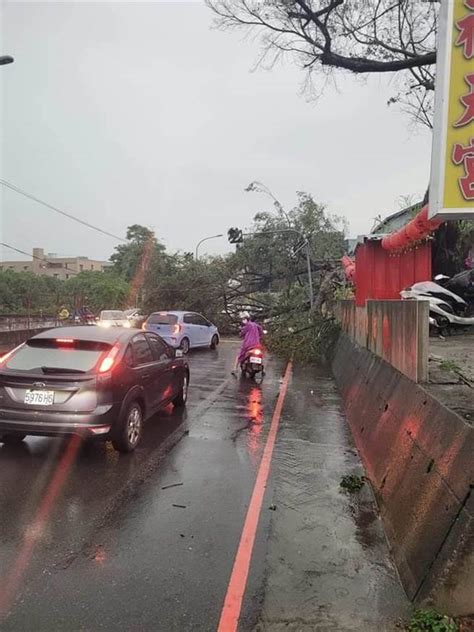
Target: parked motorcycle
point(461, 284)
point(447, 309)
point(435, 290)
point(253, 366)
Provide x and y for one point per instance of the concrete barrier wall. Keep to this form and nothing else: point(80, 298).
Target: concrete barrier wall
point(397, 331)
point(418, 456)
point(353, 321)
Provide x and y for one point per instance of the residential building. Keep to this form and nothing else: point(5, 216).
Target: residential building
point(54, 266)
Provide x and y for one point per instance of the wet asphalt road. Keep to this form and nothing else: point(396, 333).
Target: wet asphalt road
point(147, 541)
point(118, 551)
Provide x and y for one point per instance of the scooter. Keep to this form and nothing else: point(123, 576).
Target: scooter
point(445, 306)
point(253, 366)
point(437, 291)
point(461, 284)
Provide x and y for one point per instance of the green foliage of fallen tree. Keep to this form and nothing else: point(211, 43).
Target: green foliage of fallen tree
point(304, 337)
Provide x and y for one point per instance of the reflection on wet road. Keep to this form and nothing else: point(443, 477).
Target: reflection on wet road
point(113, 528)
point(92, 486)
point(147, 541)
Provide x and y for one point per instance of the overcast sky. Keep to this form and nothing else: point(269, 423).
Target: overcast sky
point(128, 113)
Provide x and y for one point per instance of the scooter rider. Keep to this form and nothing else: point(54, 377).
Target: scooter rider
point(252, 334)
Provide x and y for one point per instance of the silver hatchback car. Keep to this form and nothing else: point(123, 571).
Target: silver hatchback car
point(183, 330)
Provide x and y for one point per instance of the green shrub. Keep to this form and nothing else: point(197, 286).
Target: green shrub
point(431, 621)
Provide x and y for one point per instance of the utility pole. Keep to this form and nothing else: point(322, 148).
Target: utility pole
point(304, 245)
point(258, 187)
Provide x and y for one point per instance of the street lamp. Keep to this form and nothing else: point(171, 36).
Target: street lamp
point(203, 240)
point(259, 187)
point(6, 59)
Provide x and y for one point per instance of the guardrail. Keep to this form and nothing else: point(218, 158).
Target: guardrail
point(14, 323)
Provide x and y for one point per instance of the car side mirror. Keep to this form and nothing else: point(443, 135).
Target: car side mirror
point(179, 353)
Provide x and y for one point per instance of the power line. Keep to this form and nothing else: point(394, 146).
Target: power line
point(8, 185)
point(23, 252)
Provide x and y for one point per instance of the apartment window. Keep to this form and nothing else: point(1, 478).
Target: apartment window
point(25, 267)
point(92, 266)
point(81, 267)
point(11, 267)
point(67, 276)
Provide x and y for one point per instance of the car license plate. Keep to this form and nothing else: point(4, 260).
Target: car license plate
point(256, 360)
point(40, 398)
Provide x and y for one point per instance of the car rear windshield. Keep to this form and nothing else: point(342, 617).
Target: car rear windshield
point(163, 319)
point(52, 356)
point(113, 315)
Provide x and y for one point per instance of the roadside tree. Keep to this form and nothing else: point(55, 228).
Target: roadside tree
point(362, 37)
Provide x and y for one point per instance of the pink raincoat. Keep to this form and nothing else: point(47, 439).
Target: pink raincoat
point(252, 335)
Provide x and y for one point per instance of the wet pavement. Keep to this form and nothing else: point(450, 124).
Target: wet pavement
point(327, 564)
point(147, 541)
point(451, 369)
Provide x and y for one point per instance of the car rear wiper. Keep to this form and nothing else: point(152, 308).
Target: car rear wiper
point(54, 369)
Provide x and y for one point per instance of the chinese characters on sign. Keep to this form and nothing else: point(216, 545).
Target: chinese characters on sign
point(468, 102)
point(465, 155)
point(452, 178)
point(465, 26)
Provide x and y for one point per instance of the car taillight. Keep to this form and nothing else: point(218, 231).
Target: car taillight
point(108, 362)
point(5, 357)
point(176, 329)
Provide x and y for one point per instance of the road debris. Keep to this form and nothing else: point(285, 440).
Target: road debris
point(172, 485)
point(352, 483)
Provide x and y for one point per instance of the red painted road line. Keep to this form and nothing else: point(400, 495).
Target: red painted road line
point(238, 580)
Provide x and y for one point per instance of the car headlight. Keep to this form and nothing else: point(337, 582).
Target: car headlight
point(127, 324)
point(103, 324)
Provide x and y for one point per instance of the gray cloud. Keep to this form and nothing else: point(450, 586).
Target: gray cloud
point(131, 112)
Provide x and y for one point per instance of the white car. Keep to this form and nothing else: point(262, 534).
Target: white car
point(113, 318)
point(135, 316)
